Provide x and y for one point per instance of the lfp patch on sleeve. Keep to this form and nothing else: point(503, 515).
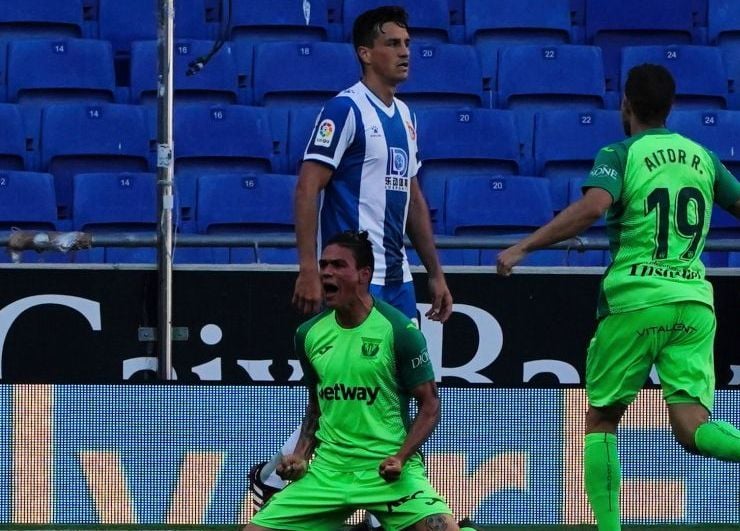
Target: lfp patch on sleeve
point(324, 133)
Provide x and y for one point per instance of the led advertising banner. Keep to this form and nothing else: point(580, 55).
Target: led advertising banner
point(236, 327)
point(178, 454)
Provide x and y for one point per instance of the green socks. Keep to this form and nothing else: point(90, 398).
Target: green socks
point(718, 439)
point(602, 476)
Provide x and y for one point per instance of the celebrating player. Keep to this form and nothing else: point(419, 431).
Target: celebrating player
point(655, 305)
point(364, 361)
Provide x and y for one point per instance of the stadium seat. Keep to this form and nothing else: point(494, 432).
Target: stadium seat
point(248, 203)
point(12, 138)
point(301, 123)
point(566, 143)
point(217, 82)
point(429, 20)
point(635, 22)
point(446, 75)
point(731, 58)
point(211, 139)
point(463, 141)
point(715, 130)
point(48, 70)
point(723, 23)
point(733, 259)
point(505, 22)
point(115, 202)
point(27, 200)
point(308, 73)
point(137, 20)
point(502, 205)
point(286, 20)
point(21, 19)
point(80, 138)
point(700, 75)
point(555, 76)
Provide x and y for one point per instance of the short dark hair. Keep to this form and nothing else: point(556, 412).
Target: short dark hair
point(359, 243)
point(650, 90)
point(368, 25)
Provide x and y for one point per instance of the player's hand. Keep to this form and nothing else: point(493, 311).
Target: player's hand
point(308, 294)
point(291, 467)
point(508, 258)
point(390, 469)
point(441, 299)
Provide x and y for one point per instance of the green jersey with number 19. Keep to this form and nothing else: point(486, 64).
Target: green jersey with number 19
point(663, 186)
point(363, 377)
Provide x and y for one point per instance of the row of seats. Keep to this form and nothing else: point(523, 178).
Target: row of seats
point(263, 203)
point(557, 144)
point(449, 21)
point(442, 74)
point(488, 23)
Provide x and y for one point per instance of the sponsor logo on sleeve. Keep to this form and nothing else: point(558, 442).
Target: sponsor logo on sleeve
point(602, 170)
point(324, 133)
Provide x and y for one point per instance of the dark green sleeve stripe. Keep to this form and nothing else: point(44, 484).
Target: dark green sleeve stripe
point(410, 348)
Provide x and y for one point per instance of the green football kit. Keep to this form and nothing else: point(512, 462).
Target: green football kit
point(362, 377)
point(655, 305)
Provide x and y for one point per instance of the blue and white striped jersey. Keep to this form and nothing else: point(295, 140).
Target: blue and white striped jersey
point(372, 148)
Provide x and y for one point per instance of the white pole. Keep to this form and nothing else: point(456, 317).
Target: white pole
point(165, 180)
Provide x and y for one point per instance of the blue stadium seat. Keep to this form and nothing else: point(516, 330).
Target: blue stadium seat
point(733, 259)
point(429, 20)
point(504, 22)
point(217, 82)
point(635, 22)
point(555, 76)
point(248, 203)
point(212, 139)
point(286, 20)
point(12, 138)
point(500, 205)
point(700, 75)
point(27, 200)
point(443, 75)
point(463, 141)
point(308, 73)
point(566, 143)
point(21, 19)
point(480, 204)
point(115, 202)
point(80, 138)
point(731, 59)
point(301, 123)
point(49, 70)
point(136, 20)
point(723, 23)
point(715, 130)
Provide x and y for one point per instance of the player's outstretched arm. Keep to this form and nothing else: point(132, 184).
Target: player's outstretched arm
point(569, 223)
point(312, 178)
point(419, 230)
point(426, 420)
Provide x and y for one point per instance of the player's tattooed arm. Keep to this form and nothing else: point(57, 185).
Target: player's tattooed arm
point(307, 440)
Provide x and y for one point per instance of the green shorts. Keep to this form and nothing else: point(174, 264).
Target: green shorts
point(323, 499)
point(677, 337)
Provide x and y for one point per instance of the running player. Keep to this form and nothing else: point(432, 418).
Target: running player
point(655, 305)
